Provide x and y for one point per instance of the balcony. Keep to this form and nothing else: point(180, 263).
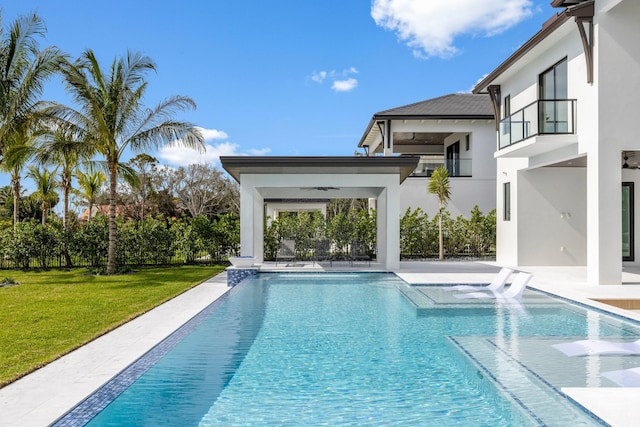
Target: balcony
point(542, 117)
point(455, 167)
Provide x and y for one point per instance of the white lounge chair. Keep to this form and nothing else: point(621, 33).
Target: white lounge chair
point(495, 286)
point(600, 347)
point(624, 377)
point(513, 292)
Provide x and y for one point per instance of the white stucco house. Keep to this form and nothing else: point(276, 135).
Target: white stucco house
point(568, 101)
point(457, 131)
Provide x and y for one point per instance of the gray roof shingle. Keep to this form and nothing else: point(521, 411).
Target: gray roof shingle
point(457, 105)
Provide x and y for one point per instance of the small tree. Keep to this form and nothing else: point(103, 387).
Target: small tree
point(439, 185)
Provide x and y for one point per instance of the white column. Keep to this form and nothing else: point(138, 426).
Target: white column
point(388, 139)
point(258, 226)
point(604, 220)
point(251, 220)
point(388, 225)
point(381, 228)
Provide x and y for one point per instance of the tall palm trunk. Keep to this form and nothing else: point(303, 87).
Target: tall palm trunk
point(15, 183)
point(90, 210)
point(66, 187)
point(111, 255)
point(440, 237)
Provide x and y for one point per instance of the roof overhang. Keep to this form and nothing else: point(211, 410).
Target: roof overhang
point(548, 28)
point(374, 129)
point(236, 166)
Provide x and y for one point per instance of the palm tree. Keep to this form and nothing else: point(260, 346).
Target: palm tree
point(17, 153)
point(439, 185)
point(90, 184)
point(46, 186)
point(61, 149)
point(23, 70)
point(112, 118)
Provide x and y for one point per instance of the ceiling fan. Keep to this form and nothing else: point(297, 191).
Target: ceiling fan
point(626, 165)
point(320, 188)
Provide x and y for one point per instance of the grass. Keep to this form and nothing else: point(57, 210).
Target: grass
point(51, 313)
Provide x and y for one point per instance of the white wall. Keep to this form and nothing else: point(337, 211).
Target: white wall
point(507, 237)
point(552, 216)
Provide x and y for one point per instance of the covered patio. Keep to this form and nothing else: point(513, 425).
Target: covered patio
point(308, 178)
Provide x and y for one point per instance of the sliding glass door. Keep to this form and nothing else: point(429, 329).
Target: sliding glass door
point(628, 240)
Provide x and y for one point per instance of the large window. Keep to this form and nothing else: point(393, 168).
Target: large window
point(554, 115)
point(506, 209)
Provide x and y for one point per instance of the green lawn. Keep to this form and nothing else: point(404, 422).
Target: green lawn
point(53, 312)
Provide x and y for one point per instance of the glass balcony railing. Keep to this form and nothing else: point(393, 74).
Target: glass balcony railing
point(542, 117)
point(455, 167)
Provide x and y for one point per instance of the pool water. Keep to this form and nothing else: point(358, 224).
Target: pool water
point(354, 349)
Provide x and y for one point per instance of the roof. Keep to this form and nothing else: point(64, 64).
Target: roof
point(237, 165)
point(453, 106)
point(456, 106)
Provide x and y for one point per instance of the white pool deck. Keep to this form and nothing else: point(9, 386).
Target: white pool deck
point(42, 397)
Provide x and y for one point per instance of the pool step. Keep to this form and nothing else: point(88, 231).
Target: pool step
point(540, 400)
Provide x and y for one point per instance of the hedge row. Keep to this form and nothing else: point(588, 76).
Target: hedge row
point(474, 236)
point(31, 244)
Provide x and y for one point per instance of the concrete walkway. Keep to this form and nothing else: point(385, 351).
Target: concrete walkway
point(43, 396)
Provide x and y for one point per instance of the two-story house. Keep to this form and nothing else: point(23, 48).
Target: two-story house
point(567, 153)
point(456, 131)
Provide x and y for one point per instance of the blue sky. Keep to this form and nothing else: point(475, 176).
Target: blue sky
point(291, 77)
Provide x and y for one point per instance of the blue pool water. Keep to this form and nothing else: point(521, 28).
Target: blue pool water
point(366, 349)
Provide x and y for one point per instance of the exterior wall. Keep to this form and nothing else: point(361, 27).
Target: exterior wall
point(508, 238)
point(552, 217)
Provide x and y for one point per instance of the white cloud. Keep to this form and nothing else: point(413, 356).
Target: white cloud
point(209, 134)
point(341, 80)
point(344, 85)
point(430, 27)
point(319, 77)
point(177, 155)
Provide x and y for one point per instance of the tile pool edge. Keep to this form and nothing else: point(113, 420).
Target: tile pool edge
point(99, 399)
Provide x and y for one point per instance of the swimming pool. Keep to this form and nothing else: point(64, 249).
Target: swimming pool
point(361, 349)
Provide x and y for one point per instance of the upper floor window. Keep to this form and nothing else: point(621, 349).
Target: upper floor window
point(507, 106)
point(553, 82)
point(554, 111)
